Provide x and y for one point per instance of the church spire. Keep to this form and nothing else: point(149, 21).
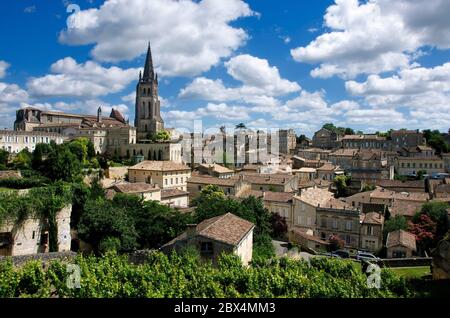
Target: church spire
point(149, 73)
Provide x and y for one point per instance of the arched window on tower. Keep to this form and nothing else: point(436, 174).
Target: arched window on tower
point(150, 155)
point(160, 155)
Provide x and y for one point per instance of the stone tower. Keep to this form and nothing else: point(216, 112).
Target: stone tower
point(148, 106)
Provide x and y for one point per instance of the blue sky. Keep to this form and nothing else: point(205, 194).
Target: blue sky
point(371, 65)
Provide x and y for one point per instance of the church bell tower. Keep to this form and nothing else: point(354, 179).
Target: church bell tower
point(148, 106)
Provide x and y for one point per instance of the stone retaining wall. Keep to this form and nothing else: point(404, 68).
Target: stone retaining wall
point(44, 257)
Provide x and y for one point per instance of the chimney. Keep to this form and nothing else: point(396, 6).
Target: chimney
point(191, 230)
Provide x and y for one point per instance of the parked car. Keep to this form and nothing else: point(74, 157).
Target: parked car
point(331, 255)
point(364, 256)
point(342, 253)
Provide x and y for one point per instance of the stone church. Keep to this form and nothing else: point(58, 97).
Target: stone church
point(111, 135)
point(148, 106)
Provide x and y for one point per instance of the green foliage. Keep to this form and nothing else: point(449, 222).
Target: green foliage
point(24, 183)
point(42, 203)
point(342, 183)
point(437, 212)
point(40, 152)
point(398, 222)
point(212, 202)
point(102, 219)
point(162, 135)
point(63, 165)
point(4, 157)
point(22, 160)
point(130, 221)
point(368, 187)
point(339, 130)
point(435, 139)
point(183, 275)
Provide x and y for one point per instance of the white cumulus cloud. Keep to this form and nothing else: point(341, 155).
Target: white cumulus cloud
point(86, 80)
point(188, 37)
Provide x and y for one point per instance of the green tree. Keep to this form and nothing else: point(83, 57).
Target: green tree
point(102, 219)
point(41, 151)
point(23, 160)
point(398, 222)
point(342, 183)
point(435, 139)
point(162, 135)
point(437, 211)
point(63, 165)
point(4, 157)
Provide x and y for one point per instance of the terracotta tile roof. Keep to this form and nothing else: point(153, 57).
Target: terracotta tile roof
point(228, 228)
point(159, 166)
point(307, 170)
point(334, 203)
point(344, 152)
point(171, 193)
point(303, 233)
point(363, 137)
point(381, 193)
point(373, 218)
point(217, 168)
point(139, 187)
point(327, 167)
point(402, 184)
point(269, 179)
point(208, 180)
point(270, 196)
point(7, 174)
point(405, 208)
point(314, 196)
point(402, 238)
point(403, 132)
point(434, 158)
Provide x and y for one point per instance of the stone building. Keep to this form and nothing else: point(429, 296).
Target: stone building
point(336, 218)
point(222, 234)
point(371, 231)
point(272, 182)
point(148, 106)
point(166, 174)
point(314, 154)
point(148, 192)
point(107, 134)
point(326, 139)
point(411, 166)
point(400, 244)
point(306, 204)
point(281, 203)
point(365, 142)
point(231, 186)
point(369, 166)
point(175, 198)
point(406, 138)
point(343, 158)
point(215, 170)
point(155, 151)
point(32, 235)
point(16, 141)
point(287, 141)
